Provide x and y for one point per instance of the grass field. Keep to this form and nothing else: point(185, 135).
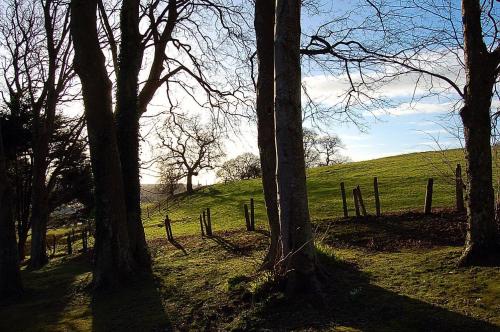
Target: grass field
point(402, 182)
point(395, 273)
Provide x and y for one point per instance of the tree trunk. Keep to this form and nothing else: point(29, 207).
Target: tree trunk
point(482, 234)
point(42, 131)
point(189, 183)
point(127, 127)
point(10, 277)
point(39, 200)
point(23, 208)
point(21, 245)
point(264, 31)
point(298, 252)
point(112, 253)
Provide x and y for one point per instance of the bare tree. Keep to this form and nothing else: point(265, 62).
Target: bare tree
point(482, 71)
point(182, 25)
point(170, 175)
point(190, 145)
point(311, 154)
point(245, 166)
point(38, 66)
point(436, 55)
point(322, 150)
point(113, 260)
point(298, 252)
point(10, 276)
point(328, 147)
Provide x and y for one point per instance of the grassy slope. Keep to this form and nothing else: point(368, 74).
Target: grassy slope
point(201, 283)
point(402, 182)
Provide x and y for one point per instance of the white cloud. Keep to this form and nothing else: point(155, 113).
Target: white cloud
point(416, 108)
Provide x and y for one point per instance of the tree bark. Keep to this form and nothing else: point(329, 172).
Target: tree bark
point(298, 251)
point(10, 276)
point(39, 200)
point(189, 183)
point(482, 233)
point(23, 208)
point(127, 127)
point(21, 245)
point(113, 261)
point(264, 31)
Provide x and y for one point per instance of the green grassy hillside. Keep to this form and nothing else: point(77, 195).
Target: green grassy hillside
point(402, 182)
point(393, 273)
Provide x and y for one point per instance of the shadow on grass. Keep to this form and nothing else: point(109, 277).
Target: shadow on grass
point(227, 245)
point(351, 302)
point(48, 292)
point(178, 246)
point(264, 232)
point(135, 307)
point(396, 231)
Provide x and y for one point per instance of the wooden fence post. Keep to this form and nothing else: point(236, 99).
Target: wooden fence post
point(356, 202)
point(344, 200)
point(147, 210)
point(54, 243)
point(168, 229)
point(361, 202)
point(459, 189)
point(377, 197)
point(69, 244)
point(159, 206)
point(247, 217)
point(209, 222)
point(165, 223)
point(201, 226)
point(252, 215)
point(205, 221)
point(428, 196)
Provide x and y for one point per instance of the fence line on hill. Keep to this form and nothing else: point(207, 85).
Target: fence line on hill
point(205, 217)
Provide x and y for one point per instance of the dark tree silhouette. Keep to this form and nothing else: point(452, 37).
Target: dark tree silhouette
point(482, 70)
point(10, 277)
point(175, 23)
point(38, 70)
point(113, 261)
point(427, 56)
point(298, 252)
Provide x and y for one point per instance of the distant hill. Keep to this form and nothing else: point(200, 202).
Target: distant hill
point(153, 192)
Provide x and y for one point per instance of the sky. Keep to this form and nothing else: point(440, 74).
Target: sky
point(414, 122)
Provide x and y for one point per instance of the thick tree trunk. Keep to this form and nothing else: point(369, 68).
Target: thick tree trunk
point(298, 252)
point(42, 131)
point(127, 127)
point(10, 277)
point(189, 183)
point(264, 31)
point(23, 207)
point(112, 253)
point(21, 245)
point(482, 233)
point(39, 201)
